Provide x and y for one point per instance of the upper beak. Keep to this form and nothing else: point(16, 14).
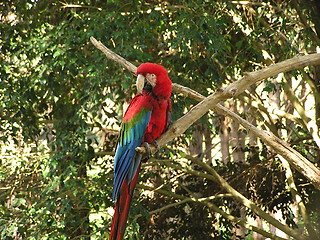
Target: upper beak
point(140, 83)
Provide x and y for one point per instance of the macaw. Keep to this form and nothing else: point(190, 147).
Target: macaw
point(146, 118)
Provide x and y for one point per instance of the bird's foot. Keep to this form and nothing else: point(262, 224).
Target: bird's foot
point(156, 144)
point(147, 152)
point(148, 149)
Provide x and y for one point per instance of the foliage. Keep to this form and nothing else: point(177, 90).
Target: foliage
point(61, 102)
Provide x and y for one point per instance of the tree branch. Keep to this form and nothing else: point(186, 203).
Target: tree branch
point(215, 208)
point(298, 200)
point(113, 56)
point(214, 176)
point(295, 159)
point(301, 164)
point(246, 202)
point(233, 90)
point(310, 123)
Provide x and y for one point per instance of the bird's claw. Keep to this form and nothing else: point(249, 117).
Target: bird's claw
point(146, 146)
point(156, 144)
point(148, 149)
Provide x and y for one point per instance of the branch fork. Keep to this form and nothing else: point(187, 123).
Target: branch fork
point(295, 159)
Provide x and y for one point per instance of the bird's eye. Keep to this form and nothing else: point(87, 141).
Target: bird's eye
point(153, 75)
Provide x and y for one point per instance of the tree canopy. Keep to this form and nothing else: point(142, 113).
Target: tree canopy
point(225, 177)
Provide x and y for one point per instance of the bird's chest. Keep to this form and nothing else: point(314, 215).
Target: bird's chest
point(158, 120)
point(159, 112)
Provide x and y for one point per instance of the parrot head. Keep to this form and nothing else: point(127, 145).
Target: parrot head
point(153, 78)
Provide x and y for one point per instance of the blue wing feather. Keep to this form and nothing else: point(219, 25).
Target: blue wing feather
point(126, 160)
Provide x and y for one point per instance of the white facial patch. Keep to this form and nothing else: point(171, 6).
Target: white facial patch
point(151, 78)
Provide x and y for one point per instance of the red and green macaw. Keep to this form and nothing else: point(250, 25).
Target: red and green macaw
point(146, 118)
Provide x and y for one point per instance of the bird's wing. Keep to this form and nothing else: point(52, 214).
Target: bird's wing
point(134, 124)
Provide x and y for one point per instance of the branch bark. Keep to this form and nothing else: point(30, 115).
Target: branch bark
point(212, 102)
point(294, 158)
point(113, 56)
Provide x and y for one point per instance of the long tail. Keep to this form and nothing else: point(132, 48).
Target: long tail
point(122, 207)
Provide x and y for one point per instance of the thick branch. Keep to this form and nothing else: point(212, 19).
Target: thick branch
point(113, 56)
point(181, 125)
point(234, 89)
point(301, 164)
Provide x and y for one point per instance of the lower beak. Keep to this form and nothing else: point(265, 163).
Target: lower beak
point(140, 83)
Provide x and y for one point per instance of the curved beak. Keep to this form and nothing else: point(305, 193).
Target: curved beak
point(140, 83)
